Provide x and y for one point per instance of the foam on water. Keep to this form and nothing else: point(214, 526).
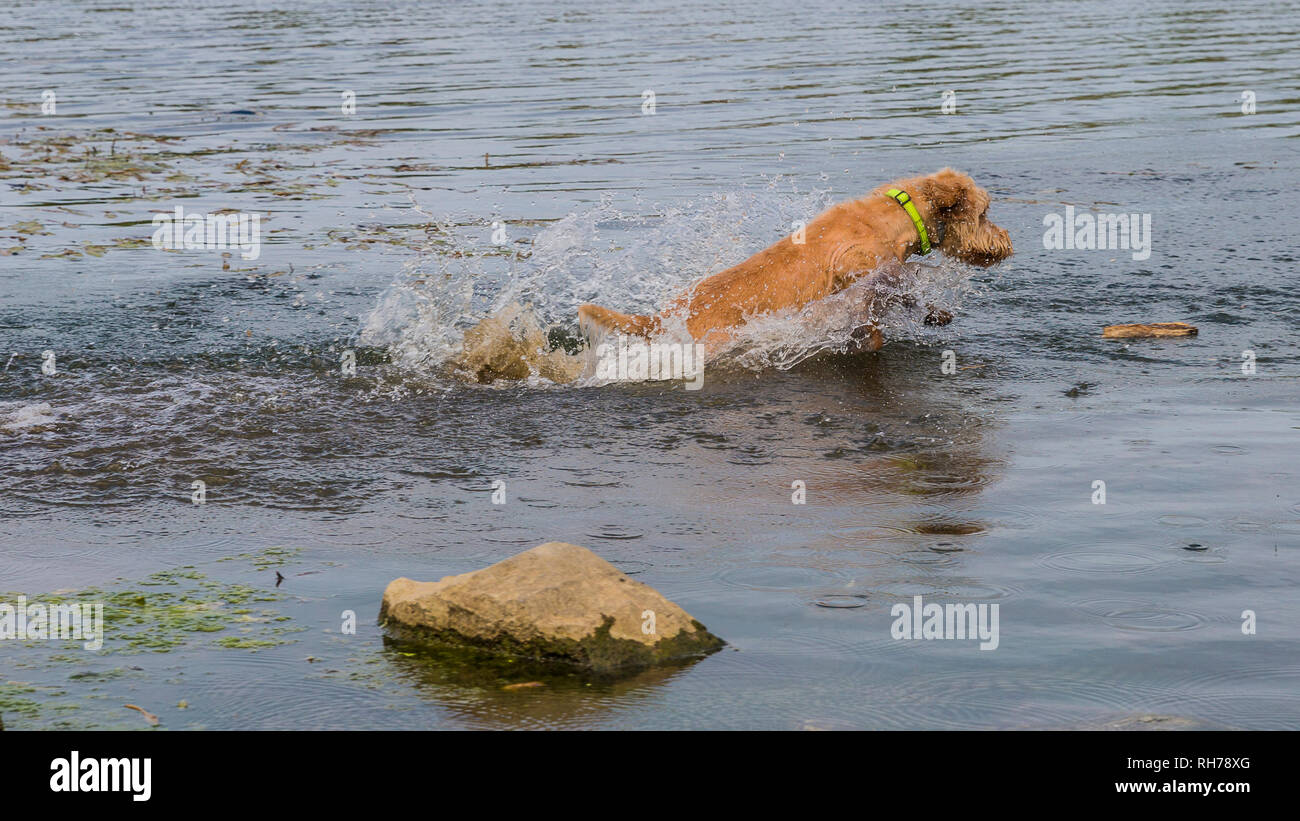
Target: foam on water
point(461, 311)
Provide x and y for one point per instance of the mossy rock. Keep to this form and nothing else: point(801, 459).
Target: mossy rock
point(557, 603)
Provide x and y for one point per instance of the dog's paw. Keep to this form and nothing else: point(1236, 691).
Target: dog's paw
point(938, 316)
point(869, 338)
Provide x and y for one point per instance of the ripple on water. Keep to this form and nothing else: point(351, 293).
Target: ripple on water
point(961, 700)
point(277, 691)
point(588, 477)
point(842, 601)
point(1285, 677)
point(12, 506)
point(849, 649)
point(751, 456)
point(895, 590)
point(1197, 550)
point(1265, 697)
point(825, 724)
point(686, 526)
point(930, 558)
point(510, 536)
point(976, 591)
point(368, 530)
point(781, 578)
point(851, 537)
point(1101, 561)
point(604, 480)
point(539, 504)
point(1140, 616)
point(1182, 520)
point(614, 532)
point(454, 473)
point(631, 567)
point(946, 547)
point(941, 485)
point(93, 496)
point(1014, 516)
point(1240, 525)
point(948, 528)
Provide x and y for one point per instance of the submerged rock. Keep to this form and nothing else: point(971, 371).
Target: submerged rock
point(556, 602)
point(1158, 722)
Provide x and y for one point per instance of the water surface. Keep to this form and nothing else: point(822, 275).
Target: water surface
point(971, 487)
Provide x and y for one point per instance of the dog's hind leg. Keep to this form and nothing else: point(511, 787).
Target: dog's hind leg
point(597, 323)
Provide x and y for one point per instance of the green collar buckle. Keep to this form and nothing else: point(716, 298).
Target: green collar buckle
point(904, 200)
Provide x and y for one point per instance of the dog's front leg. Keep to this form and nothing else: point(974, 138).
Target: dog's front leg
point(867, 334)
point(934, 314)
point(869, 338)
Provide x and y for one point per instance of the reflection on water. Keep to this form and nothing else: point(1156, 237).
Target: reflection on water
point(485, 692)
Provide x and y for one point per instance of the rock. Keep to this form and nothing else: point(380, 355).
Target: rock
point(1157, 329)
point(1141, 722)
point(1158, 722)
point(556, 602)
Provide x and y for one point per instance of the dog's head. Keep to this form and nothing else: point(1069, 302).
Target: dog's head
point(961, 208)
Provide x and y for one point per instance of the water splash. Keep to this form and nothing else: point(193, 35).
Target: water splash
point(466, 311)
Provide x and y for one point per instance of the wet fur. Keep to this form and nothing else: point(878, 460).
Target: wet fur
point(844, 243)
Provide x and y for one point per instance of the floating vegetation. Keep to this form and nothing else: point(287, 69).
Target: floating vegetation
point(138, 173)
point(13, 699)
point(247, 643)
point(266, 559)
point(172, 608)
point(150, 626)
point(27, 227)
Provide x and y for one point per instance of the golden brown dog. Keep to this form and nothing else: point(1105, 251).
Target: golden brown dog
point(841, 245)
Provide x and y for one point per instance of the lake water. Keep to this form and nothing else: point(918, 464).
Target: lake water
point(377, 227)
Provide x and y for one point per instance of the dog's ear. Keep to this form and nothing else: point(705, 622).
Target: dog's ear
point(960, 205)
point(956, 194)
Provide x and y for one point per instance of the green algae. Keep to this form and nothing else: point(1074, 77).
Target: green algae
point(248, 643)
point(179, 611)
point(13, 700)
point(162, 620)
point(599, 652)
point(269, 558)
point(173, 608)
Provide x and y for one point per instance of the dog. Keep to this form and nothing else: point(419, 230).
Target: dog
point(844, 243)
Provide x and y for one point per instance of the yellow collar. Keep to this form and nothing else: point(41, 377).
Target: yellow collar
point(904, 200)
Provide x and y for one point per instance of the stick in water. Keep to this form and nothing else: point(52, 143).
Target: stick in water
point(1157, 329)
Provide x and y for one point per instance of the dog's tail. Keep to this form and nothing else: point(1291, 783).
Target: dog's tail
point(598, 323)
